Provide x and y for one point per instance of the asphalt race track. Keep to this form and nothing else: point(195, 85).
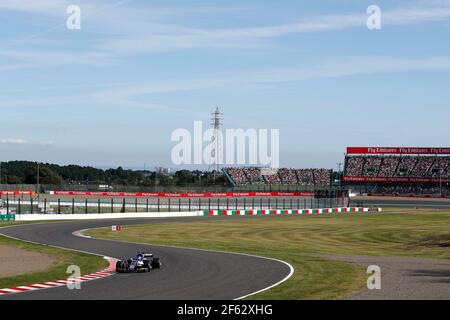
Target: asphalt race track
point(186, 274)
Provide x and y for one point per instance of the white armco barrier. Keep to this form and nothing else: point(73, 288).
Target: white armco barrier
point(94, 216)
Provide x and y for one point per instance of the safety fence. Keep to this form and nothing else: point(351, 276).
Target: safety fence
point(182, 195)
point(45, 188)
point(123, 205)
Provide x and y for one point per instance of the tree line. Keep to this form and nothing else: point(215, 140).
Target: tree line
point(26, 172)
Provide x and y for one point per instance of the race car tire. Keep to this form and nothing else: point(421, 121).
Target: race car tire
point(121, 267)
point(147, 266)
point(156, 263)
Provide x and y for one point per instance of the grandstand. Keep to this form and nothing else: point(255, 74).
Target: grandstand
point(398, 170)
point(284, 176)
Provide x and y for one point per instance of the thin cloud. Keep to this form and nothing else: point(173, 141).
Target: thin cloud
point(191, 38)
point(122, 94)
point(340, 67)
point(35, 6)
point(349, 66)
point(22, 142)
point(39, 59)
point(139, 34)
point(13, 141)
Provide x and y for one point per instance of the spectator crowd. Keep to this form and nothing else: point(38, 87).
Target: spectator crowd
point(284, 176)
point(412, 189)
point(391, 166)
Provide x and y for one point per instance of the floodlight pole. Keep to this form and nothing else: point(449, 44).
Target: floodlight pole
point(37, 182)
point(156, 178)
point(339, 173)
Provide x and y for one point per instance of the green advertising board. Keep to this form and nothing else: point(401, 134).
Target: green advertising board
point(7, 217)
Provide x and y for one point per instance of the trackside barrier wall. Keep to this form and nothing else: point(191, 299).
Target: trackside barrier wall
point(286, 212)
point(95, 216)
point(36, 217)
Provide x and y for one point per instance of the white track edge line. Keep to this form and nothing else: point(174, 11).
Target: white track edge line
point(291, 272)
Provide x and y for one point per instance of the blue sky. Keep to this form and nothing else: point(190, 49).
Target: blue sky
point(112, 92)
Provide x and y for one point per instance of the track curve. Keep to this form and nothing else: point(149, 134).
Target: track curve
point(187, 274)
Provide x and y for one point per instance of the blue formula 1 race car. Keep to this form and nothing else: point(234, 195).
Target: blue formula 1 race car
point(143, 262)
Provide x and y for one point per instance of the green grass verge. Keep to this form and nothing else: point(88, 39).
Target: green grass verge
point(63, 258)
point(304, 242)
